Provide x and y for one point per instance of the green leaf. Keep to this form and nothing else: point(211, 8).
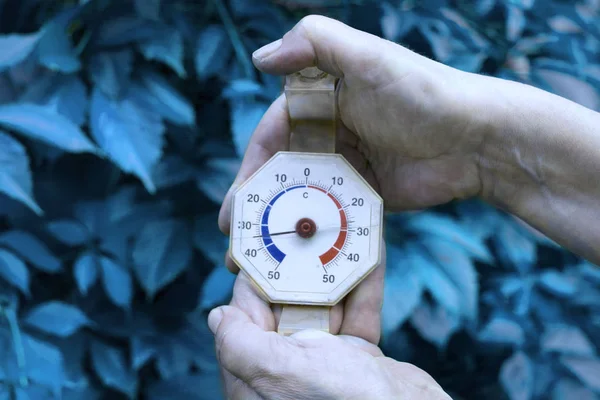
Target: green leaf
point(209, 239)
point(16, 48)
point(117, 282)
point(111, 70)
point(69, 232)
point(403, 288)
point(502, 330)
point(44, 363)
point(587, 370)
point(14, 271)
point(15, 176)
point(458, 268)
point(86, 271)
point(57, 318)
point(129, 132)
point(567, 340)
point(437, 283)
point(66, 95)
point(55, 50)
point(112, 369)
point(170, 104)
point(31, 249)
point(217, 288)
point(447, 228)
point(40, 123)
point(245, 116)
point(166, 48)
point(161, 252)
point(217, 176)
point(515, 248)
point(517, 375)
point(435, 323)
point(212, 52)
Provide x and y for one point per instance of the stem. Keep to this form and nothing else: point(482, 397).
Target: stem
point(15, 332)
point(234, 36)
point(83, 42)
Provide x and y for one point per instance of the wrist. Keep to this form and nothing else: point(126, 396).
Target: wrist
point(539, 158)
point(533, 142)
point(509, 143)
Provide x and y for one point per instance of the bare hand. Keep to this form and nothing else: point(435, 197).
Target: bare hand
point(258, 363)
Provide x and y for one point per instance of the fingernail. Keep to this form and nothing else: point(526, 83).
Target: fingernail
point(266, 50)
point(214, 319)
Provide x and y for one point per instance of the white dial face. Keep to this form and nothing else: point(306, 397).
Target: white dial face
point(306, 228)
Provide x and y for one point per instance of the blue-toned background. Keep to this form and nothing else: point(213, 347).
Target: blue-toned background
point(122, 124)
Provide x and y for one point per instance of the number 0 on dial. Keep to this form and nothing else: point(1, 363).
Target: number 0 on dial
point(306, 228)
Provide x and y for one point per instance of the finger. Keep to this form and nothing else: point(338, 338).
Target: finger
point(230, 264)
point(347, 144)
point(362, 307)
point(414, 383)
point(336, 317)
point(236, 389)
point(246, 298)
point(330, 45)
point(362, 344)
point(245, 350)
point(271, 135)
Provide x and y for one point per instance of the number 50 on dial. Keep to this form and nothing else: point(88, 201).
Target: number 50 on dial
point(306, 228)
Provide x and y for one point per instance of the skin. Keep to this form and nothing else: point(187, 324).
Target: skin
point(422, 134)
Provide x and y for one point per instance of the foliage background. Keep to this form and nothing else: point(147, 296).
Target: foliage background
point(122, 124)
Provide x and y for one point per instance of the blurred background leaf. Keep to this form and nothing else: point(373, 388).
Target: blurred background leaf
point(123, 124)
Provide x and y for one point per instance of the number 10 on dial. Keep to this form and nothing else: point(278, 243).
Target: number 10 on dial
point(306, 228)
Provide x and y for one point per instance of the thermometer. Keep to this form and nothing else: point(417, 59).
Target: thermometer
point(306, 227)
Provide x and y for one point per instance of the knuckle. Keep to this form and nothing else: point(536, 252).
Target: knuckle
point(237, 390)
point(225, 349)
point(228, 362)
point(310, 24)
point(277, 368)
point(231, 264)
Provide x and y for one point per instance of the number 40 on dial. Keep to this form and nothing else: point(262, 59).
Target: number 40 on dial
point(306, 228)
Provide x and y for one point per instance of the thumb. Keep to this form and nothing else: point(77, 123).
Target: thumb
point(244, 349)
point(325, 43)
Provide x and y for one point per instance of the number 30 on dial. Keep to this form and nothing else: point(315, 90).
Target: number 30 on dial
point(306, 228)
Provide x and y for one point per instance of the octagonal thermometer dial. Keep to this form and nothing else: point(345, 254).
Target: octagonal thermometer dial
point(306, 228)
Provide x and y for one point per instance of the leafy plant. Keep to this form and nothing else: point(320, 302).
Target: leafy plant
point(122, 125)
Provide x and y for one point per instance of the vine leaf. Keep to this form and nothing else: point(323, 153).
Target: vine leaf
point(161, 252)
point(15, 176)
point(14, 271)
point(46, 125)
point(16, 48)
point(516, 375)
point(57, 318)
point(86, 272)
point(129, 132)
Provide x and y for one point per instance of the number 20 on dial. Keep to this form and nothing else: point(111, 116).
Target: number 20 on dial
point(306, 228)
